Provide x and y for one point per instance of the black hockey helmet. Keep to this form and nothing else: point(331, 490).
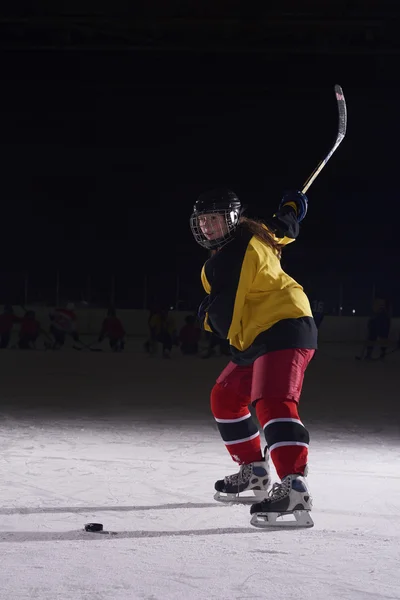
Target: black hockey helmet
point(219, 201)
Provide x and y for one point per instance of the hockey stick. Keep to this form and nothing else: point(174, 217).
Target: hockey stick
point(341, 104)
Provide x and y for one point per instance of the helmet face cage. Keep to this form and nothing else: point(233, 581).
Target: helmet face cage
point(227, 225)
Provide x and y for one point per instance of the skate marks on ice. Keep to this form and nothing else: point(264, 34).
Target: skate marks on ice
point(174, 506)
point(87, 512)
point(361, 535)
point(97, 509)
point(81, 535)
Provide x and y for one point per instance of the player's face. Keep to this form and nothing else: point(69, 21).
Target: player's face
point(213, 226)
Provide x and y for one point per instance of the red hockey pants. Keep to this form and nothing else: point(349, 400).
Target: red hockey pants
point(273, 385)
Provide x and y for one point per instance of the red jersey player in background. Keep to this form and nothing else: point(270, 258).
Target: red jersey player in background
point(114, 330)
point(63, 323)
point(29, 331)
point(189, 336)
point(7, 321)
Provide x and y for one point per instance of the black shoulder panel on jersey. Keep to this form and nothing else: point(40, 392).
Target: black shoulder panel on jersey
point(223, 274)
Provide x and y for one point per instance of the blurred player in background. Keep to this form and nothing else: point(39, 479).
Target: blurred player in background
point(189, 336)
point(7, 320)
point(378, 329)
point(29, 331)
point(113, 329)
point(63, 323)
point(163, 329)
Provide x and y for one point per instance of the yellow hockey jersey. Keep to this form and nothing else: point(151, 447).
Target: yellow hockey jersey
point(252, 301)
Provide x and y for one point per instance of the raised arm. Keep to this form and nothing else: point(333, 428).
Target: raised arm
point(285, 222)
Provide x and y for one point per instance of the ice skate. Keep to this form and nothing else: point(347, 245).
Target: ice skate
point(249, 485)
point(288, 504)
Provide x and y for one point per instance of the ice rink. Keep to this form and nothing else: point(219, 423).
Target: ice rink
point(129, 441)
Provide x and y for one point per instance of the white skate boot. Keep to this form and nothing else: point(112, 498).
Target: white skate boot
point(249, 485)
point(288, 504)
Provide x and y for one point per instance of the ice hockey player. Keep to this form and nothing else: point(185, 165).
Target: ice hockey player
point(189, 336)
point(63, 323)
point(267, 318)
point(163, 330)
point(378, 328)
point(29, 331)
point(7, 320)
point(114, 330)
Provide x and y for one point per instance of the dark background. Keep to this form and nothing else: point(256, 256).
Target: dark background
point(113, 123)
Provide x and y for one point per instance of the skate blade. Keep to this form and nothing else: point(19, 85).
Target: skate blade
point(257, 496)
point(297, 519)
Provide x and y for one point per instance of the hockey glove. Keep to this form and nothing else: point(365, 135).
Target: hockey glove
point(298, 201)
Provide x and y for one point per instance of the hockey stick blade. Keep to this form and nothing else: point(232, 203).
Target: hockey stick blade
point(342, 111)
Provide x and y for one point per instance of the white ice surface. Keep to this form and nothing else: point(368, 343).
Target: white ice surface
point(129, 441)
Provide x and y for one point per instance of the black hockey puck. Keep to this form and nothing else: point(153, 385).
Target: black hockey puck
point(92, 527)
